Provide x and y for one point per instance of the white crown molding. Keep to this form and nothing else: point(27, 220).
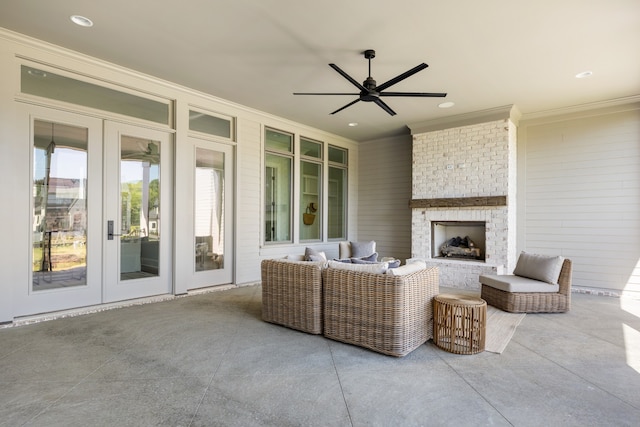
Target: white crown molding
point(510, 112)
point(583, 110)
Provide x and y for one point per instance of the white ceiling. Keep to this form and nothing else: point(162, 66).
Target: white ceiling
point(258, 52)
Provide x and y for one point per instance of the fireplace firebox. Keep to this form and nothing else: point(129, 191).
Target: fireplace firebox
point(461, 240)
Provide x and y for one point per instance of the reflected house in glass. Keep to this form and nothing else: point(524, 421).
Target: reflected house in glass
point(59, 205)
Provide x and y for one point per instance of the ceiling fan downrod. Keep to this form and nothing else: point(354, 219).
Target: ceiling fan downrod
point(369, 83)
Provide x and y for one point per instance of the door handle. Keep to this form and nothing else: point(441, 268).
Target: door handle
point(110, 230)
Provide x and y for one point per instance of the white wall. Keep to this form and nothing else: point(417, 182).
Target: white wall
point(384, 193)
point(579, 194)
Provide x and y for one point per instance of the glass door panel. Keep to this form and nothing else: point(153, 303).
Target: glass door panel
point(209, 209)
point(59, 257)
point(140, 207)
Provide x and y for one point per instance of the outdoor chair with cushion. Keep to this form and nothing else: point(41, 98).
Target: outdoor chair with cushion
point(539, 284)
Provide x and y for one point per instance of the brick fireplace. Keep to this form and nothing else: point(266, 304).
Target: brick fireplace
point(464, 173)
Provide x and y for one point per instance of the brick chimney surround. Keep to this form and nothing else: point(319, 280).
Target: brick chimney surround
point(464, 171)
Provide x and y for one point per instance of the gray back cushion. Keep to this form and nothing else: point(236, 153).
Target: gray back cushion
point(363, 249)
point(539, 267)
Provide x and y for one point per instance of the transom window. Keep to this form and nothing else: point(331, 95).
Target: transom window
point(50, 85)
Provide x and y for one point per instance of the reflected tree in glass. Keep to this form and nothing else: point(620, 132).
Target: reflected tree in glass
point(139, 208)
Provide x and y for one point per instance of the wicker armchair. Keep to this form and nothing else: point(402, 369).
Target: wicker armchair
point(292, 294)
point(389, 314)
point(533, 302)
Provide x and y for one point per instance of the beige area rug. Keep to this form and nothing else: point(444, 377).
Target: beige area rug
point(501, 326)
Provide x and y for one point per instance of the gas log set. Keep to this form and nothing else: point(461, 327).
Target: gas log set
point(460, 247)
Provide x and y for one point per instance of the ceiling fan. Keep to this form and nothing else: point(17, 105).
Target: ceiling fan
point(370, 92)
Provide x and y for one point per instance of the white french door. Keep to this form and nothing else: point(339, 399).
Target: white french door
point(85, 174)
point(137, 212)
point(65, 211)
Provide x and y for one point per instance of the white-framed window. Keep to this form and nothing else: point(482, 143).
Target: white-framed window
point(308, 161)
point(278, 190)
point(337, 193)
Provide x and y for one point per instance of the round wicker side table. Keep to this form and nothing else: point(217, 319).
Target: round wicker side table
point(459, 323)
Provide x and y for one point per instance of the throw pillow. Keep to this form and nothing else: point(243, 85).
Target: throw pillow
point(363, 249)
point(295, 257)
point(362, 261)
point(407, 269)
point(344, 250)
point(311, 254)
point(394, 264)
point(347, 260)
point(539, 267)
point(373, 257)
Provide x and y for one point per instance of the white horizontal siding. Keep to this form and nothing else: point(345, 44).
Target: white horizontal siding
point(248, 202)
point(582, 196)
point(383, 195)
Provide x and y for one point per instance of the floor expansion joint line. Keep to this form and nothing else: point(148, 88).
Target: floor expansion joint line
point(344, 399)
point(476, 391)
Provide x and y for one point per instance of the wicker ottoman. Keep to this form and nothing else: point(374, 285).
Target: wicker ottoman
point(459, 323)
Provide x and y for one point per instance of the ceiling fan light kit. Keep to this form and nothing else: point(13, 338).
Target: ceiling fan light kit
point(371, 92)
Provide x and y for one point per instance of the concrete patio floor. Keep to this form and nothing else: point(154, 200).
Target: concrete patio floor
point(209, 360)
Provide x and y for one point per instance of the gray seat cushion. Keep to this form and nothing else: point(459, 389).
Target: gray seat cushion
point(513, 283)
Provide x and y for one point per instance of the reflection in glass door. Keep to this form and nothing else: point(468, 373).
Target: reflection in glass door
point(59, 254)
point(209, 209)
point(139, 207)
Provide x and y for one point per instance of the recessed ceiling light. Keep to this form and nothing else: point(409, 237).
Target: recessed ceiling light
point(584, 74)
point(82, 21)
point(447, 104)
point(37, 73)
point(353, 124)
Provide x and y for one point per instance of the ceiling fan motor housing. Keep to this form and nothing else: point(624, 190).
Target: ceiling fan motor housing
point(370, 85)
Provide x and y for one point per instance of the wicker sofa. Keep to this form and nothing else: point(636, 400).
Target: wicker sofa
point(520, 294)
point(386, 313)
point(389, 314)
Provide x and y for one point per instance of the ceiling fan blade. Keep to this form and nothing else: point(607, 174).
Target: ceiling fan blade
point(401, 77)
point(384, 106)
point(348, 77)
point(426, 94)
point(326, 93)
point(348, 105)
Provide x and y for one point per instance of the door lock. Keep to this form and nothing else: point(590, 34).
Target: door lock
point(110, 230)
